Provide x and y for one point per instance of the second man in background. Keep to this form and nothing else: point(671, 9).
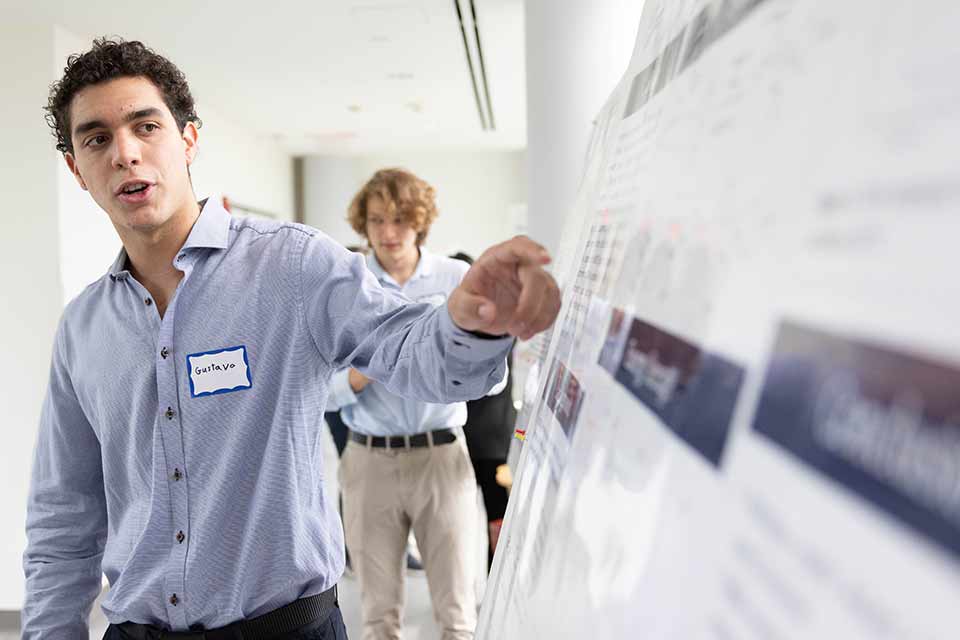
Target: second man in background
point(391, 481)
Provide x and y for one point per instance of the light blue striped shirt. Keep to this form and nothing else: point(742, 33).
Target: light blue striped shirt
point(181, 456)
point(376, 411)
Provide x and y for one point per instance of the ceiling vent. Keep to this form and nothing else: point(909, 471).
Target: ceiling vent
point(473, 49)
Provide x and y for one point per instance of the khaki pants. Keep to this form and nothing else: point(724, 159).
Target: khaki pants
point(432, 489)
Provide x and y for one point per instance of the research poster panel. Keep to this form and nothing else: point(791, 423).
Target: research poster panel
point(746, 422)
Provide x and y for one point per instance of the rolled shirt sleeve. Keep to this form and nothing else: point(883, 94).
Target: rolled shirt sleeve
point(66, 515)
point(414, 349)
point(341, 394)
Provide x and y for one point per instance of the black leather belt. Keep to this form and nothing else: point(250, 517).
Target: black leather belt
point(270, 625)
point(440, 436)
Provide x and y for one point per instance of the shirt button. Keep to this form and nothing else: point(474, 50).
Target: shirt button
point(169, 413)
point(174, 599)
point(164, 353)
point(177, 475)
point(147, 301)
point(180, 537)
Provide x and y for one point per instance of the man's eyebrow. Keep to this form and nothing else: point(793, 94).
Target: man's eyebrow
point(88, 126)
point(142, 113)
point(130, 117)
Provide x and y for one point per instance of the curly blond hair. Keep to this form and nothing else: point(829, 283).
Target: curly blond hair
point(402, 192)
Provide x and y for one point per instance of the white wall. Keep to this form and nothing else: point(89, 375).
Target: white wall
point(577, 50)
point(29, 260)
point(481, 195)
point(249, 168)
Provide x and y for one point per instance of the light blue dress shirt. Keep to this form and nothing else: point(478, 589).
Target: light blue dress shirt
point(181, 456)
point(376, 411)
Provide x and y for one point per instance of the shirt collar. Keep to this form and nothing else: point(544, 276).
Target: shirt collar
point(211, 231)
point(212, 228)
point(425, 266)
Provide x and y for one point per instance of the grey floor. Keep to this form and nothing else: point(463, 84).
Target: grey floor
point(418, 616)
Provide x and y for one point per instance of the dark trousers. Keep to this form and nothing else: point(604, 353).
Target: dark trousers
point(338, 429)
point(494, 497)
point(330, 629)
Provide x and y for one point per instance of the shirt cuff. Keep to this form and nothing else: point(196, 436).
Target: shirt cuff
point(341, 394)
point(467, 346)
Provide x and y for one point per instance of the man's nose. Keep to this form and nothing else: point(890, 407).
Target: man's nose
point(126, 151)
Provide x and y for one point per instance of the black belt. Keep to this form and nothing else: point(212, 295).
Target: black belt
point(440, 436)
point(270, 625)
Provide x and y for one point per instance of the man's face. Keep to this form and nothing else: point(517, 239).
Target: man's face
point(391, 237)
point(129, 153)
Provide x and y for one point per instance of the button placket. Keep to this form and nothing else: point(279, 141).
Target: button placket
point(171, 430)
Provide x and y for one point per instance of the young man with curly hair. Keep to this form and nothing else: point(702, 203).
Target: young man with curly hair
point(406, 462)
point(178, 444)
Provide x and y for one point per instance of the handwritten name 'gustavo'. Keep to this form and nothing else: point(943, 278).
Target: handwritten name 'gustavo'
point(214, 367)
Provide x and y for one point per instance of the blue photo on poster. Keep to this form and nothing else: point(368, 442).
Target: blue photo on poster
point(692, 390)
point(881, 423)
point(564, 398)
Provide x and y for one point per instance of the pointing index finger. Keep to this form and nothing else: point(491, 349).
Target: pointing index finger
point(522, 250)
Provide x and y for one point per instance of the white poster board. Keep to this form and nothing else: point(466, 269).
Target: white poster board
point(746, 422)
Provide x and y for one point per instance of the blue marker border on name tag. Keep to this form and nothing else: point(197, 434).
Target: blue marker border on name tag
point(240, 387)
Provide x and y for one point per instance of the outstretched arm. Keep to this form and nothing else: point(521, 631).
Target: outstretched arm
point(417, 350)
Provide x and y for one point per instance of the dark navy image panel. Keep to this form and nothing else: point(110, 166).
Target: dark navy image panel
point(881, 423)
point(692, 390)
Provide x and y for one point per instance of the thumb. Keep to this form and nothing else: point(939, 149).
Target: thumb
point(471, 312)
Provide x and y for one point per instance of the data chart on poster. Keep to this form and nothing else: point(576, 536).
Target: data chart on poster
point(745, 424)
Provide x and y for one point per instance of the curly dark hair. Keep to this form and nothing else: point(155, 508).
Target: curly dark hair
point(110, 59)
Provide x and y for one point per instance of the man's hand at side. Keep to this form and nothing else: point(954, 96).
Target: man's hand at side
point(507, 291)
point(357, 380)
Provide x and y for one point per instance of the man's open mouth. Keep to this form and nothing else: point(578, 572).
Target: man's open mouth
point(134, 187)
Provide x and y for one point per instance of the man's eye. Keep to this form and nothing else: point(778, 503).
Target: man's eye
point(96, 141)
point(149, 127)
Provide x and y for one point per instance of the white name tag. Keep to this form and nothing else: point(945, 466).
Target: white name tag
point(220, 371)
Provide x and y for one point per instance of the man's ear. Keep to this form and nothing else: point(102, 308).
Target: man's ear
point(72, 165)
point(190, 135)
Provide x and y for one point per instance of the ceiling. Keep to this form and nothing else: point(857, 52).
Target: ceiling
point(331, 76)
